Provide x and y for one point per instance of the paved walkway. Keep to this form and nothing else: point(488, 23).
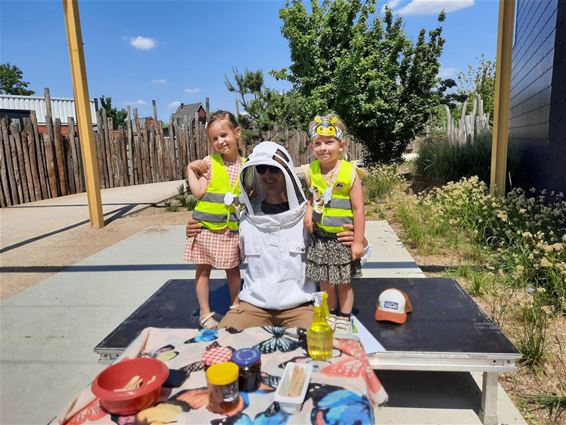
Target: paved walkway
point(48, 331)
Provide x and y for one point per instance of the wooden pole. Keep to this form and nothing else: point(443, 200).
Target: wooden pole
point(82, 103)
point(502, 95)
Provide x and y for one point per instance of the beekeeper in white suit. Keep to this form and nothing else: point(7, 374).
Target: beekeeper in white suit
point(272, 241)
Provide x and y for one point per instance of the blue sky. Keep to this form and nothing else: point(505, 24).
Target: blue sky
point(179, 51)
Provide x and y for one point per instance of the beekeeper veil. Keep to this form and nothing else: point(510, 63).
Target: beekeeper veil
point(271, 154)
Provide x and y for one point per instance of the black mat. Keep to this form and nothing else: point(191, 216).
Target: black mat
point(444, 318)
point(174, 305)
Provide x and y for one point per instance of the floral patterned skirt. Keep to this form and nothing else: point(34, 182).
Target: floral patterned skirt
point(330, 261)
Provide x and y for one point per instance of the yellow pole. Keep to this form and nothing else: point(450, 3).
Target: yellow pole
point(84, 119)
point(502, 95)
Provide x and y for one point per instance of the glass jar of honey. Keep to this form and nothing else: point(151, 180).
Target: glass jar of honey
point(249, 362)
point(223, 393)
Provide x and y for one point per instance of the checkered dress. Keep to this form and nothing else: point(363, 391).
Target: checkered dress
point(219, 248)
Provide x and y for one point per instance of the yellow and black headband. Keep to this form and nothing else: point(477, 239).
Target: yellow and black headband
point(326, 127)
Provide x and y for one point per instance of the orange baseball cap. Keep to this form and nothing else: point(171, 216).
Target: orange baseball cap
point(393, 306)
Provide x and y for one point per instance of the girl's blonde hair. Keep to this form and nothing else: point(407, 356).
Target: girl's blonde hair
point(221, 115)
point(339, 124)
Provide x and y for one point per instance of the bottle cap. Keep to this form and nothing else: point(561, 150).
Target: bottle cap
point(246, 357)
point(222, 373)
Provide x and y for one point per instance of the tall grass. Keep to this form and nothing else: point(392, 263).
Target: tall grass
point(440, 161)
point(380, 181)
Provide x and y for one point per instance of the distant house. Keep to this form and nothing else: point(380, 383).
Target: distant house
point(188, 113)
point(18, 107)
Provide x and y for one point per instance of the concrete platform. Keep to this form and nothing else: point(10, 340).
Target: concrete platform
point(48, 331)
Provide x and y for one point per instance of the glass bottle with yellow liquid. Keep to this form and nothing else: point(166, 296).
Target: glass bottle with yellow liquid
point(319, 334)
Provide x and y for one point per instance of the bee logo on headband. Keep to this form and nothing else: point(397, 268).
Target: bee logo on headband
point(326, 127)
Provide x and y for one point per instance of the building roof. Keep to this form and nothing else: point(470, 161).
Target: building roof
point(189, 109)
point(61, 107)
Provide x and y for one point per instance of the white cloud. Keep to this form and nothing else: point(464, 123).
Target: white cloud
point(159, 81)
point(143, 43)
point(433, 7)
point(192, 91)
point(391, 5)
point(174, 104)
point(135, 102)
point(448, 72)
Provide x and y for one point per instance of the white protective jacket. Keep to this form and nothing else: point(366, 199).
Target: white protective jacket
point(274, 245)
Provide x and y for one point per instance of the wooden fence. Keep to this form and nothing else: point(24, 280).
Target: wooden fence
point(37, 165)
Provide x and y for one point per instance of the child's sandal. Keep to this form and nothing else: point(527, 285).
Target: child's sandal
point(208, 321)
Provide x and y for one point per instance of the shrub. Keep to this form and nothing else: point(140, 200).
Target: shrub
point(441, 161)
point(380, 181)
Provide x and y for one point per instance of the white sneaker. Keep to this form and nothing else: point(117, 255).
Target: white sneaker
point(332, 321)
point(343, 325)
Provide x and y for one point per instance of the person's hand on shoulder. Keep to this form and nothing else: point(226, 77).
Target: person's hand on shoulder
point(193, 228)
point(199, 166)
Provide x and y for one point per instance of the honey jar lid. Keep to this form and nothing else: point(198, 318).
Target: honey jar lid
point(217, 355)
point(222, 373)
point(246, 356)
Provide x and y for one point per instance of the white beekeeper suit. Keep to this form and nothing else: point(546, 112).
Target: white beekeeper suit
point(274, 245)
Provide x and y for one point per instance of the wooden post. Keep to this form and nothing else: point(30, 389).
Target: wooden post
point(207, 105)
point(4, 163)
point(130, 147)
point(154, 107)
point(502, 94)
point(74, 153)
point(60, 157)
point(40, 149)
point(27, 164)
point(80, 85)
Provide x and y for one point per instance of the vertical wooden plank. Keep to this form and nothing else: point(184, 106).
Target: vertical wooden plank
point(152, 162)
point(154, 108)
point(68, 152)
point(130, 147)
point(146, 157)
point(140, 150)
point(9, 163)
point(124, 171)
point(40, 152)
point(15, 165)
point(49, 115)
point(4, 172)
point(101, 150)
point(107, 148)
point(75, 175)
point(15, 131)
point(78, 148)
point(60, 157)
point(51, 173)
point(27, 165)
point(33, 161)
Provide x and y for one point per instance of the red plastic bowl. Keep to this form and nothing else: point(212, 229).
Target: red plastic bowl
point(119, 374)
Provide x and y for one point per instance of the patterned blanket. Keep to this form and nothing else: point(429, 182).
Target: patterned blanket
point(342, 390)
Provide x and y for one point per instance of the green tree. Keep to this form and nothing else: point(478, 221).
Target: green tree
point(348, 60)
point(268, 111)
point(479, 79)
point(11, 81)
point(118, 115)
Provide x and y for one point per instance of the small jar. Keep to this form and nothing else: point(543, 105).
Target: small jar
point(223, 393)
point(249, 362)
point(216, 355)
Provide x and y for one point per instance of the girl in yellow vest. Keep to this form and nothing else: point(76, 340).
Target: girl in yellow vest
point(214, 182)
point(337, 200)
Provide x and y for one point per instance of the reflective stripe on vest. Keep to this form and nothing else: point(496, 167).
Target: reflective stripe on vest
point(338, 211)
point(210, 210)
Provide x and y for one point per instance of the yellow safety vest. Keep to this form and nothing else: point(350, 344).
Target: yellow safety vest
point(335, 212)
point(211, 210)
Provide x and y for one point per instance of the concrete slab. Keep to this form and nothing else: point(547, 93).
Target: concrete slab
point(49, 330)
